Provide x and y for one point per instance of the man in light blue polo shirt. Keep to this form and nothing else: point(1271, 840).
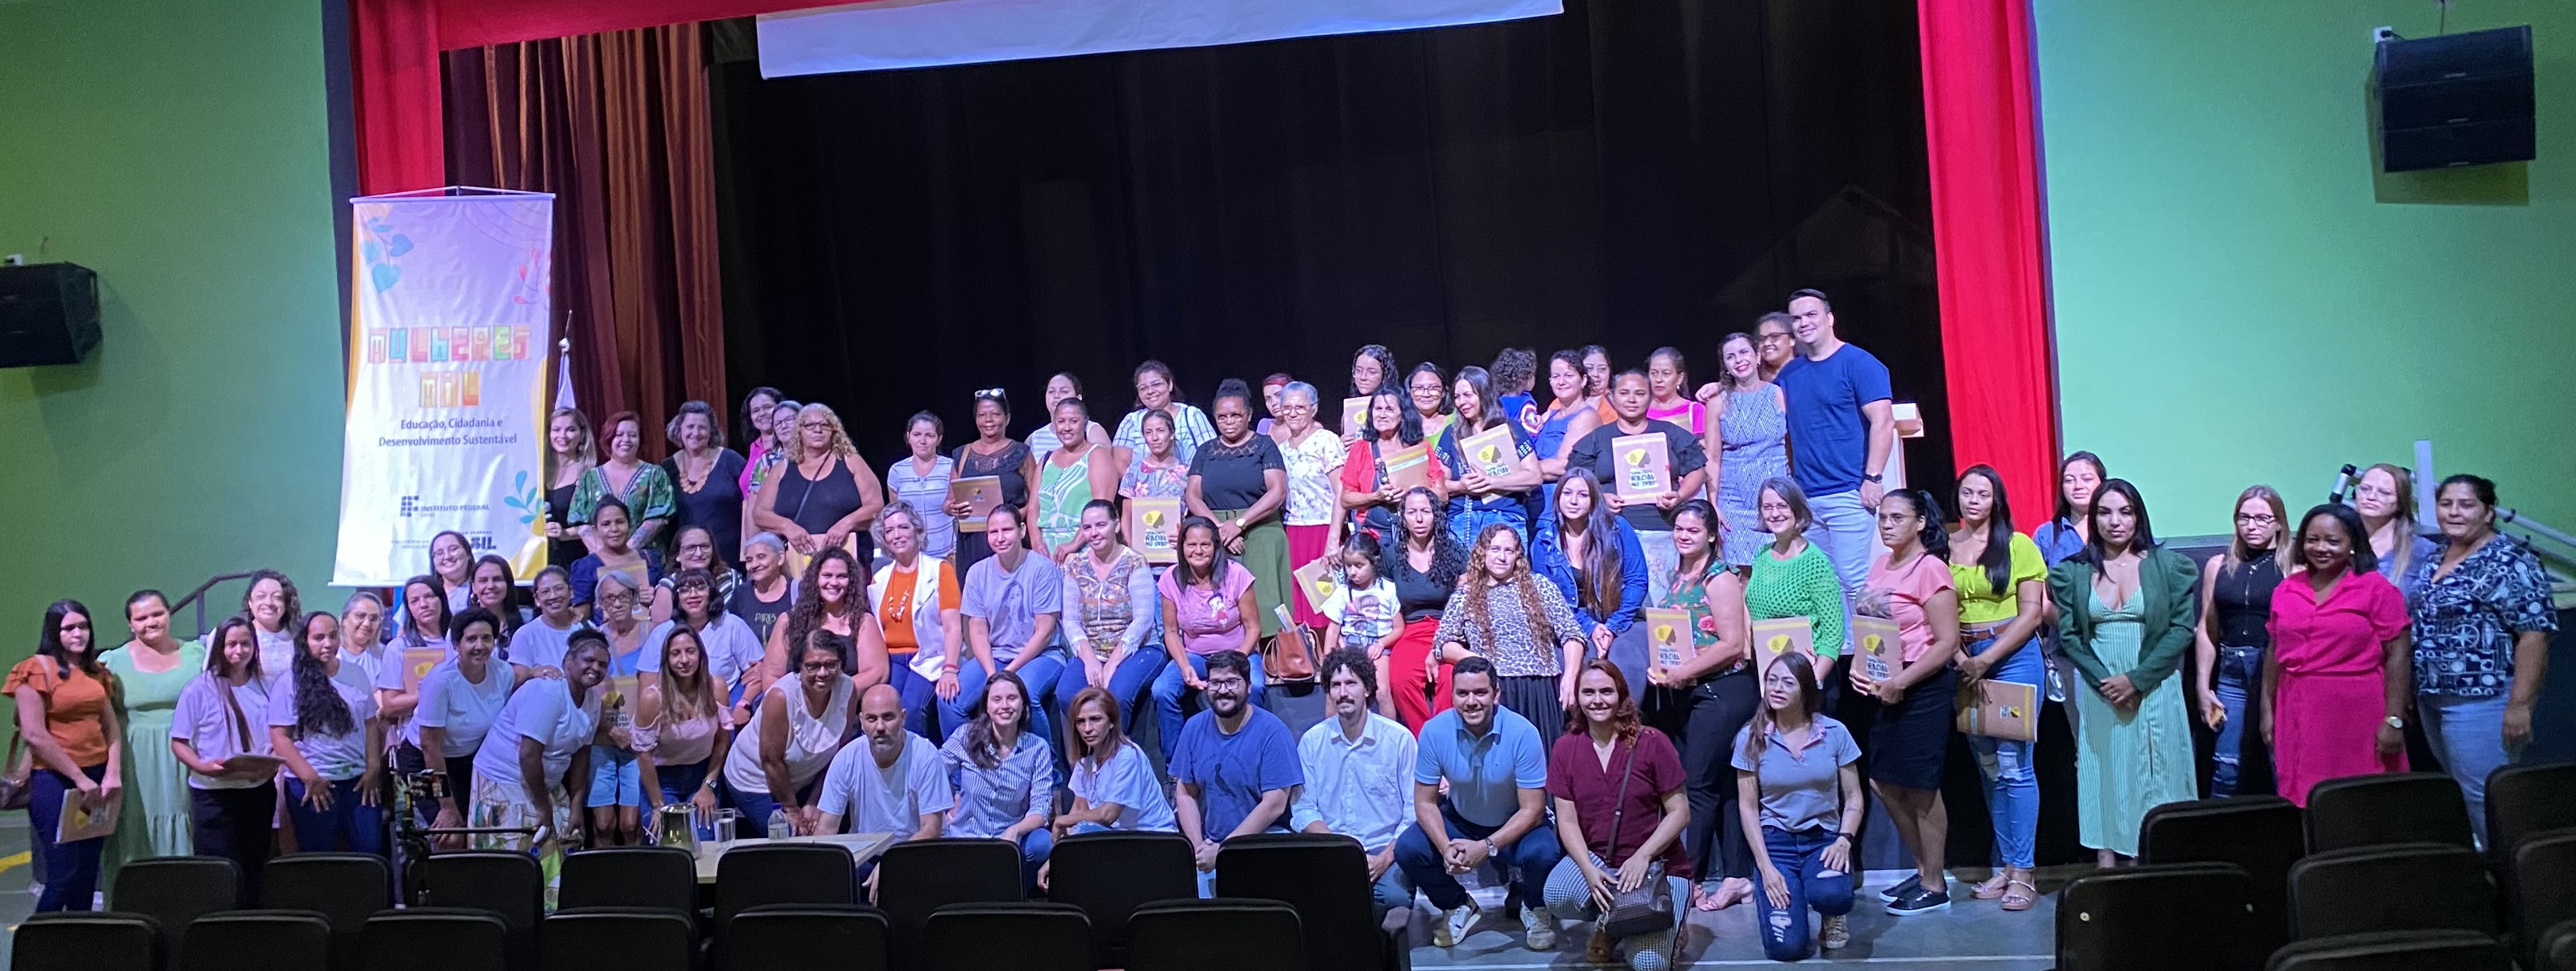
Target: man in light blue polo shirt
point(1496, 808)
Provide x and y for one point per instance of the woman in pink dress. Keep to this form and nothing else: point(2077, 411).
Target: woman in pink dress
point(2341, 672)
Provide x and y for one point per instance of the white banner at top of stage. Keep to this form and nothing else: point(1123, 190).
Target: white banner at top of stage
point(889, 34)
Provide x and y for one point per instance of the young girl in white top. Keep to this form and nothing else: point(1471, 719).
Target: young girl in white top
point(1362, 614)
point(235, 798)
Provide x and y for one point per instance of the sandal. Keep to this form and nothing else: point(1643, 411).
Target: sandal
point(2020, 894)
point(1728, 893)
point(1993, 887)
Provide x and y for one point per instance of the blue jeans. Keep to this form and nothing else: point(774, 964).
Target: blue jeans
point(1800, 859)
point(679, 785)
point(1128, 684)
point(1848, 533)
point(1034, 847)
point(2468, 735)
point(71, 869)
point(323, 831)
point(920, 696)
point(756, 805)
point(2238, 676)
point(1466, 521)
point(1040, 673)
point(1170, 691)
point(2012, 784)
point(1528, 861)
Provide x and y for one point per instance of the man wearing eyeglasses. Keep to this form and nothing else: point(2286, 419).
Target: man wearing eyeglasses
point(1236, 766)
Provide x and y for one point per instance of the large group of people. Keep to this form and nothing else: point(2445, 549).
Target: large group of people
point(1572, 640)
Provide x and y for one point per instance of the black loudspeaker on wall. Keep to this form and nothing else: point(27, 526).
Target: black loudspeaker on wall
point(2458, 99)
point(48, 314)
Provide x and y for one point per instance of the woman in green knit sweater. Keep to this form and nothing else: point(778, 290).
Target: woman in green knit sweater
point(1792, 578)
point(2125, 610)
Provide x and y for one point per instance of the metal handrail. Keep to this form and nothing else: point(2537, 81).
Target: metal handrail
point(198, 596)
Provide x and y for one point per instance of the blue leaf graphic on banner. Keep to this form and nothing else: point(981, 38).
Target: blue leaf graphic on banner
point(370, 252)
point(519, 481)
point(398, 246)
point(384, 275)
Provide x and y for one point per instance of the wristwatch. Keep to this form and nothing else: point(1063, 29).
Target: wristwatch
point(1873, 477)
point(1490, 851)
point(2397, 722)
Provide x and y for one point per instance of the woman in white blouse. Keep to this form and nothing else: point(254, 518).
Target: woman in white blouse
point(231, 778)
point(1314, 459)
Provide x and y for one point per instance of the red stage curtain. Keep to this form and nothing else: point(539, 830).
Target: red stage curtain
point(1980, 125)
point(616, 125)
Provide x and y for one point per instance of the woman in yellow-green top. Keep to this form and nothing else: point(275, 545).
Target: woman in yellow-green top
point(2002, 583)
point(1792, 578)
point(151, 670)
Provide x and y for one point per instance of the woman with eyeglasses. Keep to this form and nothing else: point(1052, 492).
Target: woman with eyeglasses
point(693, 547)
point(1426, 390)
point(823, 496)
point(921, 479)
point(1776, 338)
point(571, 453)
point(1156, 391)
point(74, 743)
point(1371, 497)
point(1314, 461)
point(2231, 639)
point(992, 454)
point(642, 486)
point(1747, 444)
point(1372, 368)
point(2483, 614)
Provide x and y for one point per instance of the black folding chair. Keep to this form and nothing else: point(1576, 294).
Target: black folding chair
point(2544, 897)
point(1043, 936)
point(2527, 799)
point(2262, 835)
point(1325, 877)
point(81, 940)
point(917, 877)
point(783, 873)
point(782, 936)
point(434, 939)
point(176, 890)
point(618, 939)
point(345, 888)
point(664, 877)
point(2445, 950)
point(510, 885)
point(2404, 887)
point(1110, 874)
point(1229, 933)
point(2171, 915)
point(256, 940)
point(2385, 808)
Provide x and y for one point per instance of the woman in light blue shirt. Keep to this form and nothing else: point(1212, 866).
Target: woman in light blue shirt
point(1004, 774)
point(921, 479)
point(1113, 784)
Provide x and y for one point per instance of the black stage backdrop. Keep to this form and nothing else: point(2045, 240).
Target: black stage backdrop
point(1633, 173)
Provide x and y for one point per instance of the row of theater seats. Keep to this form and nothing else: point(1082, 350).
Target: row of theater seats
point(1125, 900)
point(2379, 873)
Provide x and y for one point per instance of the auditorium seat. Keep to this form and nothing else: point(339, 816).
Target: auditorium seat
point(1042, 936)
point(664, 877)
point(2557, 949)
point(2389, 807)
point(2544, 883)
point(175, 890)
point(618, 939)
point(256, 940)
point(2527, 799)
point(1111, 873)
point(917, 877)
point(2408, 886)
point(345, 888)
point(434, 939)
point(757, 874)
point(1224, 932)
point(510, 885)
point(1325, 877)
point(2447, 950)
point(776, 936)
point(2170, 915)
point(2262, 835)
point(81, 940)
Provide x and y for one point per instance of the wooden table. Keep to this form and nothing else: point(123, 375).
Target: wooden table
point(862, 846)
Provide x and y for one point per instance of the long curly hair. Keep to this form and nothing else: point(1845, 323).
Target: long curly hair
point(1598, 586)
point(294, 603)
point(1479, 582)
point(983, 746)
point(1447, 560)
point(319, 709)
point(1622, 714)
point(796, 438)
point(806, 616)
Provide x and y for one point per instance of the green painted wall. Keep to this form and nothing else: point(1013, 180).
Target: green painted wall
point(2240, 298)
point(179, 149)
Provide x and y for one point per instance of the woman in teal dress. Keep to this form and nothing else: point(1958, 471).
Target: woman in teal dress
point(2125, 611)
point(151, 670)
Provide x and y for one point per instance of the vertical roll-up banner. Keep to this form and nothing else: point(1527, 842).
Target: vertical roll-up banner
point(448, 335)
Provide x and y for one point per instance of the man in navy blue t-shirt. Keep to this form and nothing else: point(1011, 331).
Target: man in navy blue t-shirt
point(1236, 766)
point(1841, 425)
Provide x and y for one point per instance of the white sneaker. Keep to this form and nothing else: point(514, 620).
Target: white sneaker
point(1542, 929)
point(1453, 925)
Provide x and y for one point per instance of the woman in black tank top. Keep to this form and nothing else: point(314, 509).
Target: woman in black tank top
point(2236, 601)
point(822, 496)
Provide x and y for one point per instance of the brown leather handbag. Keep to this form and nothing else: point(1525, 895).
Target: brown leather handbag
point(1288, 656)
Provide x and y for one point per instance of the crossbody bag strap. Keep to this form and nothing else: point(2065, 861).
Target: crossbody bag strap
point(1618, 808)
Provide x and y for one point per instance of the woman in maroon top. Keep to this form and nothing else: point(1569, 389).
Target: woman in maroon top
point(1618, 790)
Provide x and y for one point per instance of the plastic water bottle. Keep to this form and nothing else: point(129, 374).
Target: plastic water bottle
point(778, 824)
